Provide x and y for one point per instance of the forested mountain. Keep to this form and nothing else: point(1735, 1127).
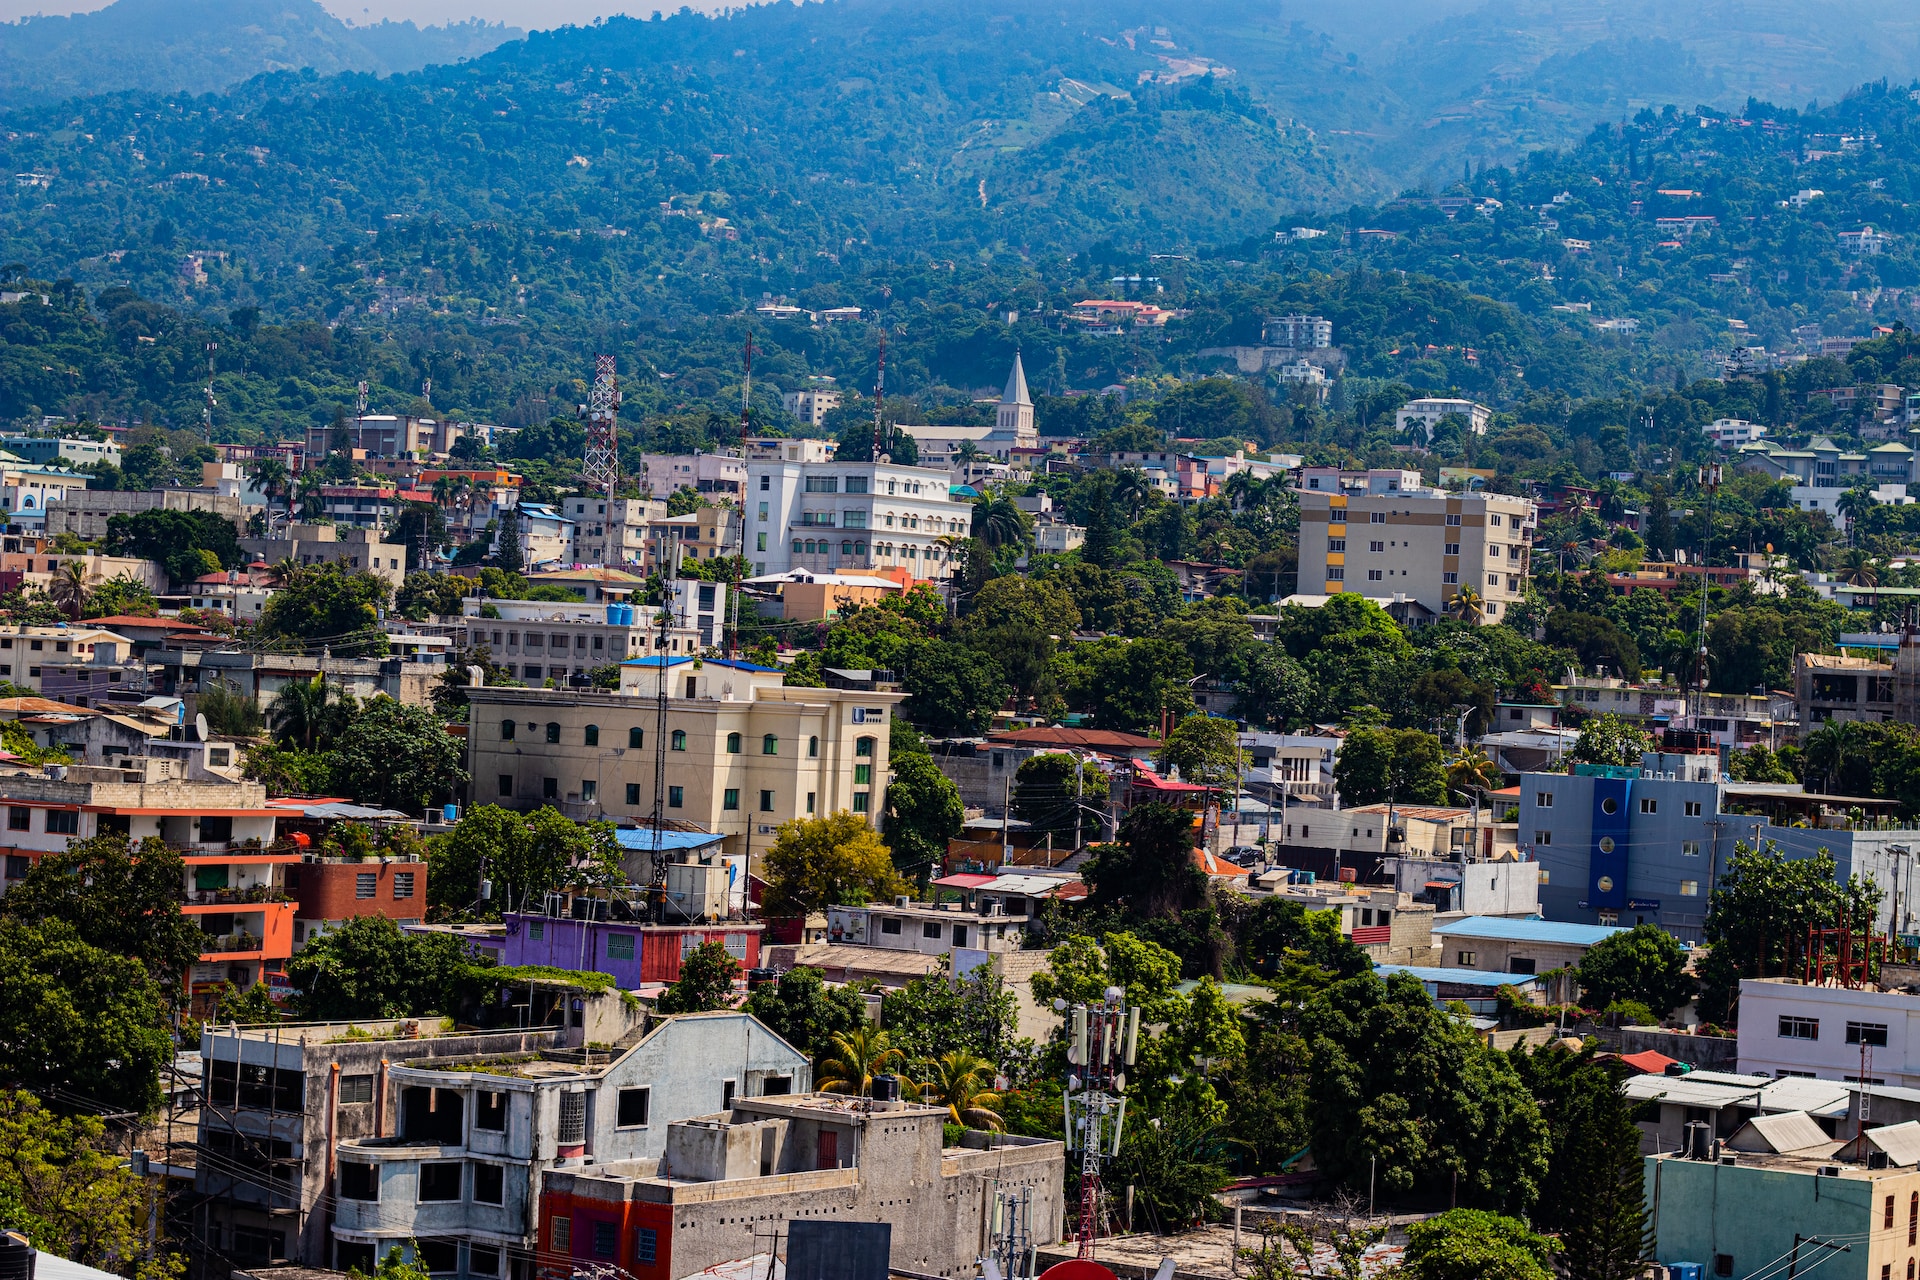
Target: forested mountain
point(198, 46)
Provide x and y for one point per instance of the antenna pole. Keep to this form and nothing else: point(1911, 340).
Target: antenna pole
point(658, 882)
point(882, 439)
point(208, 411)
point(601, 466)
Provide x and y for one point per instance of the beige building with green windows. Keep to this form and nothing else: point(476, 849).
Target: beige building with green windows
point(744, 754)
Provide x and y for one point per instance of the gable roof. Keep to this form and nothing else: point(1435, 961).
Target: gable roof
point(1900, 1143)
point(1506, 929)
point(1787, 1131)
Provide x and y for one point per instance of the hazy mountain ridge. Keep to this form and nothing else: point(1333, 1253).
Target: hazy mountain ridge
point(203, 46)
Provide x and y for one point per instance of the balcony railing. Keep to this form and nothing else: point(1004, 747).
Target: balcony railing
point(231, 942)
point(237, 897)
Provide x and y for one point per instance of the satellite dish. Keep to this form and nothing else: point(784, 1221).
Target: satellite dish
point(200, 727)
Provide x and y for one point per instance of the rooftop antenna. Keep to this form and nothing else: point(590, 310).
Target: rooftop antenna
point(882, 438)
point(207, 412)
point(360, 399)
point(601, 466)
point(1101, 1039)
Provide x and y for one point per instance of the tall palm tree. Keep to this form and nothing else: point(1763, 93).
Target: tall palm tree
point(312, 503)
point(72, 583)
point(1852, 505)
point(302, 712)
point(1241, 490)
point(963, 1083)
point(1859, 568)
point(1473, 770)
point(1131, 490)
point(999, 522)
point(271, 477)
point(1467, 605)
point(857, 1057)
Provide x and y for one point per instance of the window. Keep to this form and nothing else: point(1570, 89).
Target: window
point(19, 818)
point(676, 797)
point(1336, 544)
point(760, 539)
point(770, 745)
point(1494, 521)
point(1373, 575)
point(440, 1181)
point(592, 735)
point(1336, 573)
point(359, 1181)
point(553, 731)
point(1649, 805)
point(766, 802)
point(810, 797)
point(589, 791)
point(356, 1088)
point(489, 1184)
point(549, 788)
point(1722, 1264)
point(403, 884)
point(573, 1118)
point(959, 935)
point(1689, 848)
point(730, 799)
point(679, 742)
point(813, 748)
point(604, 1238)
point(536, 931)
point(1376, 517)
point(646, 1245)
point(930, 929)
point(1543, 799)
point(619, 946)
point(632, 1108)
point(64, 822)
point(1543, 837)
point(1689, 888)
point(1693, 808)
point(1376, 547)
point(823, 484)
point(1493, 579)
point(1869, 1033)
point(856, 484)
point(365, 884)
point(506, 785)
point(633, 794)
point(1454, 520)
point(1451, 549)
point(1799, 1028)
point(766, 483)
point(560, 1235)
point(1886, 1221)
point(490, 1110)
point(636, 737)
point(1913, 1227)
point(18, 864)
point(890, 925)
point(1450, 579)
point(1466, 959)
point(863, 746)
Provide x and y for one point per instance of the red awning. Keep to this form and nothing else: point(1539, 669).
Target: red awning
point(1443, 884)
point(965, 880)
point(1648, 1062)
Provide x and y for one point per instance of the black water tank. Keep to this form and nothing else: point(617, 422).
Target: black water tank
point(757, 978)
point(886, 1088)
point(16, 1257)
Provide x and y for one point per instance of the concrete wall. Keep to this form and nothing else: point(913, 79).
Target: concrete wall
point(1764, 1049)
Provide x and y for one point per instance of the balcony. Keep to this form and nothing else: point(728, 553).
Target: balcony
point(229, 944)
point(257, 895)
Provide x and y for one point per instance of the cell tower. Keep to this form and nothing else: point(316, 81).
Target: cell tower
point(1101, 1039)
point(602, 462)
point(207, 411)
point(882, 443)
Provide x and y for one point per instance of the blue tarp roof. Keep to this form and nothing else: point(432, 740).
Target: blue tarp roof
point(1458, 977)
point(1507, 929)
point(644, 838)
point(732, 664)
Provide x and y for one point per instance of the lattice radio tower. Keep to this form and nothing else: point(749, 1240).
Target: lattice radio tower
point(1101, 1039)
point(602, 463)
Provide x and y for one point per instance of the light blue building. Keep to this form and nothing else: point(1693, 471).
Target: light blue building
point(1622, 846)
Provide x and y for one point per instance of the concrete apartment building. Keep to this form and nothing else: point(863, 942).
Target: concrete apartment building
point(1841, 687)
point(328, 892)
point(1300, 333)
point(827, 516)
point(47, 451)
point(464, 1176)
point(925, 927)
point(732, 1183)
point(85, 512)
point(745, 752)
point(612, 532)
point(362, 549)
point(1424, 544)
point(184, 673)
point(1503, 944)
point(721, 474)
point(706, 534)
point(812, 402)
point(385, 435)
point(25, 652)
point(542, 639)
point(1792, 1028)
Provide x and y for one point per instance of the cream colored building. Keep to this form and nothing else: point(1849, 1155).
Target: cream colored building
point(744, 754)
point(24, 649)
point(1424, 544)
point(612, 533)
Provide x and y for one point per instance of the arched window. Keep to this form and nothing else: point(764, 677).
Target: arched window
point(859, 548)
point(813, 748)
point(593, 735)
point(846, 547)
point(679, 739)
point(733, 744)
point(1913, 1225)
point(863, 746)
point(553, 731)
point(636, 737)
point(506, 731)
point(796, 546)
point(770, 745)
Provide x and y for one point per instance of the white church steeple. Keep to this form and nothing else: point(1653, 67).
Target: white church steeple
point(1013, 421)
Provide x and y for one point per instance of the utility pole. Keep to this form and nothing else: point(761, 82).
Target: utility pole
point(1709, 479)
point(882, 440)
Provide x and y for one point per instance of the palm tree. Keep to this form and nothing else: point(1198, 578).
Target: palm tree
point(1473, 770)
point(302, 712)
point(282, 572)
point(1241, 490)
point(72, 583)
point(270, 476)
point(858, 1056)
point(1467, 605)
point(312, 503)
point(999, 522)
point(962, 1082)
point(1131, 490)
point(1853, 504)
point(1859, 568)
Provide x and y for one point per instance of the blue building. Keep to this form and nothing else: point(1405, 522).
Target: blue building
point(1623, 846)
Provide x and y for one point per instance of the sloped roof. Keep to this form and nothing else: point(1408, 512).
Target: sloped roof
point(1900, 1143)
point(1016, 392)
point(1507, 929)
point(1111, 740)
point(1787, 1131)
point(1650, 1061)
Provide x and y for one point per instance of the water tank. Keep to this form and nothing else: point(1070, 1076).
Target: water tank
point(16, 1257)
point(613, 615)
point(886, 1088)
point(450, 813)
point(627, 615)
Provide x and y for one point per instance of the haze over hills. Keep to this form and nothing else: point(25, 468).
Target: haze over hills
point(165, 46)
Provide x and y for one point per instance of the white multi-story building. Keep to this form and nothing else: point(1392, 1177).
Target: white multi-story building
point(1788, 1028)
point(612, 532)
point(826, 516)
point(811, 403)
point(1303, 333)
point(1424, 544)
point(705, 473)
point(1425, 414)
point(1013, 427)
point(1731, 433)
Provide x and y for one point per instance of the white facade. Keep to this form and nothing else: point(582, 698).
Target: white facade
point(1788, 1028)
point(828, 516)
point(724, 473)
point(1731, 433)
point(812, 403)
point(927, 929)
point(1426, 414)
point(1013, 427)
point(611, 533)
point(1304, 333)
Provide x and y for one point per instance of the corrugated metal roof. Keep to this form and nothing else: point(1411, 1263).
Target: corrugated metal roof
point(1783, 1132)
point(1508, 929)
point(646, 839)
point(1458, 977)
point(1900, 1142)
point(1716, 1089)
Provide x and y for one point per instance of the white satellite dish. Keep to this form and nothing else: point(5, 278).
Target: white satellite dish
point(200, 727)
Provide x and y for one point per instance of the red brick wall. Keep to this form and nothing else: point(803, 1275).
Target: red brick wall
point(329, 890)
